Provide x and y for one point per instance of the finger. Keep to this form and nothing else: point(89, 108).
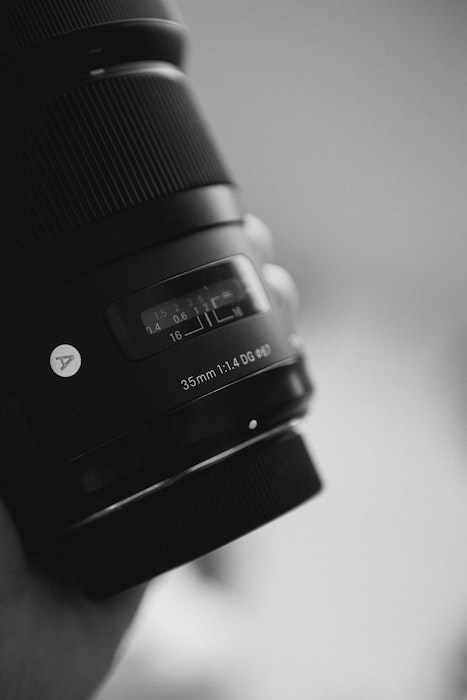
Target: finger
point(279, 280)
point(121, 609)
point(260, 237)
point(283, 285)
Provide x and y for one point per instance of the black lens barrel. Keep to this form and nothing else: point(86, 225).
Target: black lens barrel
point(28, 23)
point(111, 184)
point(114, 143)
point(97, 121)
point(47, 42)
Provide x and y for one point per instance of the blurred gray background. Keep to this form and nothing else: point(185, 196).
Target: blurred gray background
point(345, 122)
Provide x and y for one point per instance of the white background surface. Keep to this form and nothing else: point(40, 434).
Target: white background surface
point(345, 123)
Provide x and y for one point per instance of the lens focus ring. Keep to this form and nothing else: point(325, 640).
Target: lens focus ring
point(72, 159)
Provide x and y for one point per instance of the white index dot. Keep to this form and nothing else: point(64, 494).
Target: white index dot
point(65, 360)
point(253, 424)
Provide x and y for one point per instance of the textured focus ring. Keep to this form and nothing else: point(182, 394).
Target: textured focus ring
point(23, 24)
point(72, 159)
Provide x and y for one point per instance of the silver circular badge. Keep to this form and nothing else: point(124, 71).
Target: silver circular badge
point(65, 360)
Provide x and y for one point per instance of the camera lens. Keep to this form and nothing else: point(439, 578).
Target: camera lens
point(150, 382)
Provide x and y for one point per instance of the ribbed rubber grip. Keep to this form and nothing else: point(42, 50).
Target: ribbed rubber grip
point(192, 516)
point(75, 158)
point(23, 24)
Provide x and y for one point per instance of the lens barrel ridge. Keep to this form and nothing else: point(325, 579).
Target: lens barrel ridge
point(74, 158)
point(25, 24)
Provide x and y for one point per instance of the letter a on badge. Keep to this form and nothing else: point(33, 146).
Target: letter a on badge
point(65, 361)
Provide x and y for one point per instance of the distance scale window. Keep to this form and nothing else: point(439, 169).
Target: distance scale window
point(187, 306)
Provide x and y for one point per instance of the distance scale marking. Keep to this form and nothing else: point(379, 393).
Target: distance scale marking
point(186, 306)
point(198, 311)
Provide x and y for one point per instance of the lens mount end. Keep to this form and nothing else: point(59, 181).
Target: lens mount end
point(191, 516)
